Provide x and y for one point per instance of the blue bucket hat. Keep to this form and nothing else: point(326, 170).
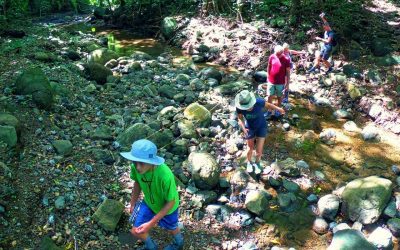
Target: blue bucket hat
point(144, 151)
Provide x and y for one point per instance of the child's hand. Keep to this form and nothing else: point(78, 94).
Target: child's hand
point(282, 111)
point(144, 228)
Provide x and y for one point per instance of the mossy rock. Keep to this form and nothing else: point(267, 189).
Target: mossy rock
point(162, 138)
point(168, 27)
point(8, 135)
point(44, 57)
point(60, 90)
point(48, 244)
point(233, 87)
point(108, 214)
point(97, 72)
point(387, 61)
point(133, 133)
point(198, 114)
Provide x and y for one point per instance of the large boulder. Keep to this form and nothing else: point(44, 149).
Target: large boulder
point(9, 120)
point(97, 72)
point(34, 82)
point(364, 199)
point(350, 239)
point(101, 56)
point(162, 138)
point(204, 170)
point(198, 114)
point(108, 214)
point(210, 72)
point(260, 76)
point(133, 133)
point(187, 129)
point(287, 167)
point(353, 91)
point(168, 27)
point(257, 201)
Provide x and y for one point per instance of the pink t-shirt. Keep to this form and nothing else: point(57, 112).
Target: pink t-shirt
point(277, 69)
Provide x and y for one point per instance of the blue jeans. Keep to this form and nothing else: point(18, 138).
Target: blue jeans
point(326, 51)
point(145, 214)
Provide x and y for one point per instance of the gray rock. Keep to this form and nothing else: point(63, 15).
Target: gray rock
point(60, 202)
point(342, 114)
point(233, 87)
point(241, 218)
point(108, 214)
point(291, 186)
point(286, 126)
point(203, 197)
point(210, 72)
point(213, 209)
point(133, 133)
point(327, 136)
point(365, 199)
point(370, 133)
point(249, 246)
point(376, 110)
point(394, 226)
point(396, 169)
point(288, 202)
point(204, 170)
point(167, 91)
point(390, 210)
point(187, 129)
point(381, 238)
point(374, 77)
point(349, 239)
point(257, 201)
point(8, 135)
point(351, 126)
point(63, 147)
point(320, 226)
point(287, 167)
point(357, 226)
point(302, 164)
point(328, 206)
point(103, 132)
point(312, 198)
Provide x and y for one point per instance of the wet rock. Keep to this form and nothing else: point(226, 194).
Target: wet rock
point(204, 170)
point(320, 226)
point(394, 226)
point(257, 201)
point(8, 135)
point(198, 114)
point(351, 126)
point(101, 56)
point(349, 239)
point(108, 214)
point(328, 206)
point(365, 199)
point(133, 133)
point(390, 209)
point(33, 81)
point(63, 147)
point(381, 238)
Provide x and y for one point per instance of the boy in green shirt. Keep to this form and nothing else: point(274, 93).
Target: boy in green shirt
point(161, 198)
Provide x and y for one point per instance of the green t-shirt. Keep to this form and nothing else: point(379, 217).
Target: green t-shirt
point(158, 187)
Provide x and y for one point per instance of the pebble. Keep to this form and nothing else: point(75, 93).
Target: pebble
point(51, 219)
point(60, 202)
point(88, 168)
point(396, 169)
point(302, 164)
point(286, 126)
point(81, 183)
point(312, 198)
point(320, 226)
point(45, 201)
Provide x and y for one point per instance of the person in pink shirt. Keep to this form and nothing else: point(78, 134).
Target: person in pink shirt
point(278, 76)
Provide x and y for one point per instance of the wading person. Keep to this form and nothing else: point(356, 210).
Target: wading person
point(161, 199)
point(328, 43)
point(251, 120)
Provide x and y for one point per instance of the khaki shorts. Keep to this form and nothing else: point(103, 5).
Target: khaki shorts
point(275, 89)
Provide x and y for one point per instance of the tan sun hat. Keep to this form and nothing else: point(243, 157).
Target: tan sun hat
point(245, 100)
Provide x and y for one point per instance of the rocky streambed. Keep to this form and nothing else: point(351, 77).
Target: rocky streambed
point(330, 173)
